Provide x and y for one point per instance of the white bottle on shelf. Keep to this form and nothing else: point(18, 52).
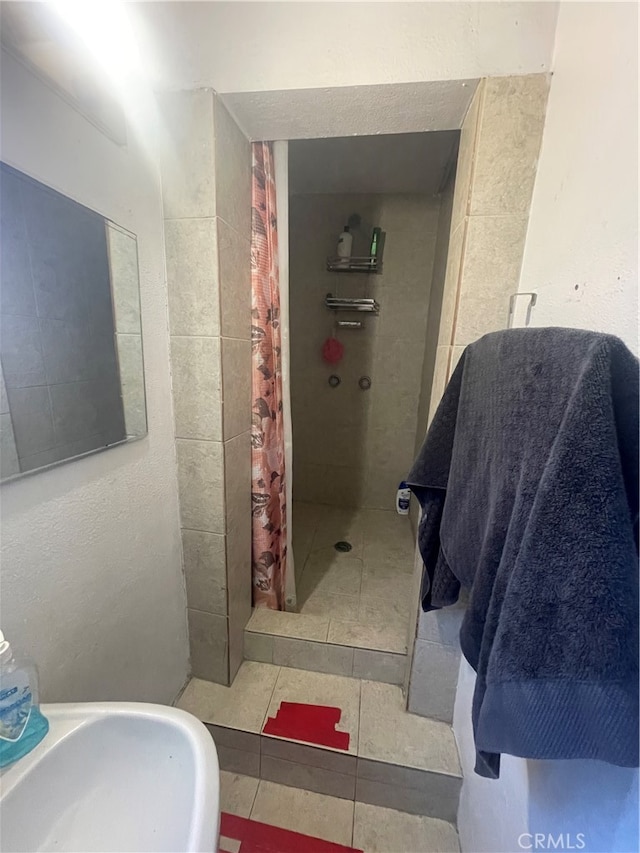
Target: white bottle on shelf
point(345, 242)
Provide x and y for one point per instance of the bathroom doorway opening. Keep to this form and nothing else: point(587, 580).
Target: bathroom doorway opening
point(362, 337)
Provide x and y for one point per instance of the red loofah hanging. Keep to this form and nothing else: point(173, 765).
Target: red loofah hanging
point(332, 351)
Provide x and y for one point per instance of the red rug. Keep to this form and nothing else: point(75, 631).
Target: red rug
point(256, 837)
point(308, 723)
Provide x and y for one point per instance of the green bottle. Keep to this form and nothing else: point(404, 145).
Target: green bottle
point(375, 242)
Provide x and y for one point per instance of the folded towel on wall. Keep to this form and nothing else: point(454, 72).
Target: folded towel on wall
point(528, 483)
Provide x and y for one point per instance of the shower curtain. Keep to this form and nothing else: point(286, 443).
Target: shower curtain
point(268, 490)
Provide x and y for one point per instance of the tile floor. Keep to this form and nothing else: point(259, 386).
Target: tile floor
point(372, 829)
point(360, 598)
point(373, 714)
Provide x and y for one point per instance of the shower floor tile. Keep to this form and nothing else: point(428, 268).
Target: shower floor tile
point(364, 594)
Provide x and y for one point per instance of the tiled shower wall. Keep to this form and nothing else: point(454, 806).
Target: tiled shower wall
point(206, 176)
point(352, 447)
point(496, 170)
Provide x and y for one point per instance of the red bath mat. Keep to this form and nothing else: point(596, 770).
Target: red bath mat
point(309, 723)
point(256, 837)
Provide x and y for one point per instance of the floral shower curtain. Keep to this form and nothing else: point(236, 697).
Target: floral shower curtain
point(268, 495)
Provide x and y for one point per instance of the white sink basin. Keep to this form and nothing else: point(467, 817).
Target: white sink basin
point(114, 776)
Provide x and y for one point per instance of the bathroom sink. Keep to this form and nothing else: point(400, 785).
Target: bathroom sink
point(113, 776)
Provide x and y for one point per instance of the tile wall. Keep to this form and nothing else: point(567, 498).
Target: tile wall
point(496, 170)
point(353, 447)
point(57, 350)
point(206, 178)
point(497, 162)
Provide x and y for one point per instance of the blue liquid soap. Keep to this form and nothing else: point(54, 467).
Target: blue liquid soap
point(22, 725)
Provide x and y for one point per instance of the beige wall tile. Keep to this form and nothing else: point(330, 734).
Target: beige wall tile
point(509, 140)
point(236, 639)
point(205, 571)
point(197, 393)
point(239, 587)
point(208, 645)
point(451, 285)
point(331, 426)
point(403, 312)
point(398, 360)
point(493, 257)
point(300, 753)
point(186, 153)
point(442, 626)
point(309, 480)
point(316, 657)
point(236, 386)
point(406, 215)
point(436, 295)
point(343, 486)
point(237, 460)
point(456, 354)
point(235, 281)
point(439, 379)
point(387, 447)
point(227, 736)
point(237, 454)
point(394, 407)
point(258, 647)
point(201, 485)
point(466, 154)
point(379, 666)
point(397, 774)
point(434, 679)
point(238, 761)
point(308, 778)
point(383, 479)
point(440, 800)
point(233, 172)
point(192, 277)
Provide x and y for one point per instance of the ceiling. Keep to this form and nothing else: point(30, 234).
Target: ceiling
point(393, 163)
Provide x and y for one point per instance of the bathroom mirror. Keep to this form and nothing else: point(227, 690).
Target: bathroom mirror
point(72, 377)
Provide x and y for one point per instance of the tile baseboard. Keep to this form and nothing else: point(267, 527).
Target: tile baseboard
point(351, 661)
point(420, 792)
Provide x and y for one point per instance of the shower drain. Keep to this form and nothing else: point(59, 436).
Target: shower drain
point(343, 546)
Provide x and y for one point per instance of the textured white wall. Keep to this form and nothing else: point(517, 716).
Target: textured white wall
point(91, 582)
point(493, 812)
point(582, 230)
point(581, 254)
point(246, 47)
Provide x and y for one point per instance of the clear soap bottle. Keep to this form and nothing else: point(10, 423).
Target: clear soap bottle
point(22, 725)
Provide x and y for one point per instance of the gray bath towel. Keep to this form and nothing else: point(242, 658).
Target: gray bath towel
point(528, 482)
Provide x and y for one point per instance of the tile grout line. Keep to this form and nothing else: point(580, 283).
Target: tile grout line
point(255, 796)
